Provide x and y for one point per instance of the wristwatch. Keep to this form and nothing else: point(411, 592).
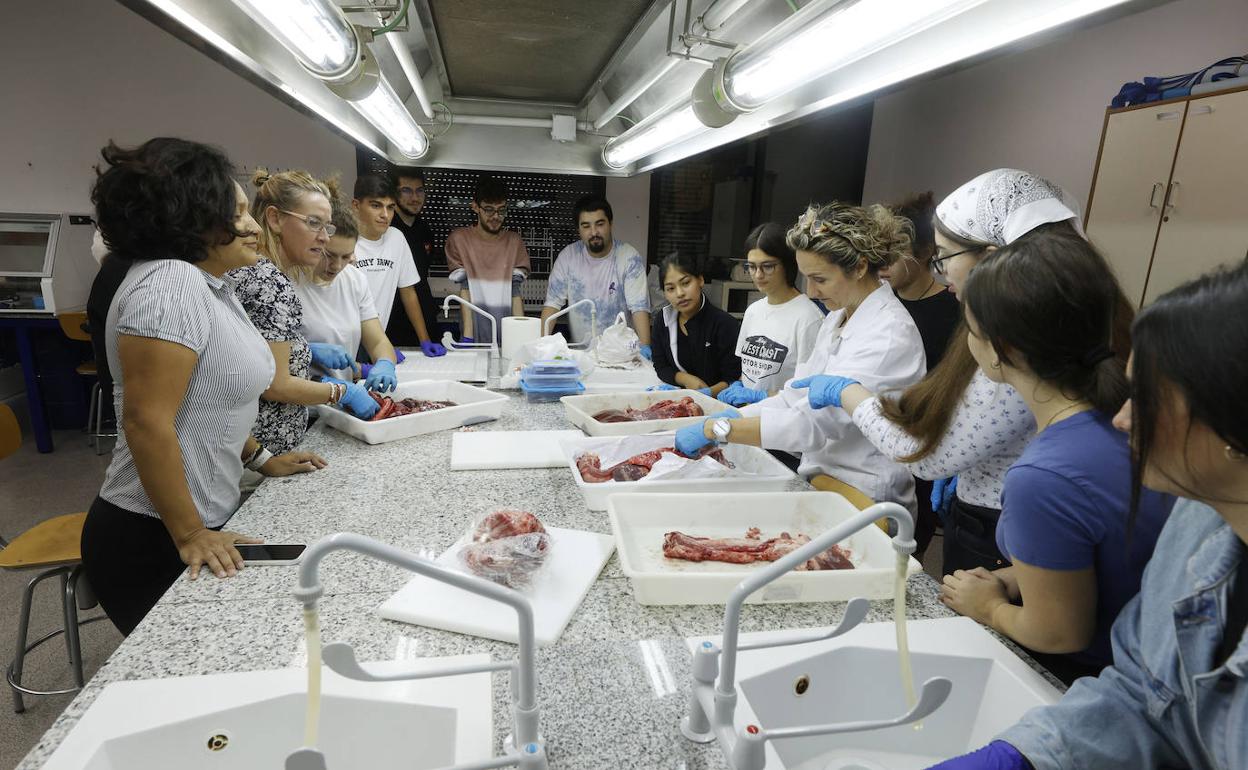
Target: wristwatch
point(721, 428)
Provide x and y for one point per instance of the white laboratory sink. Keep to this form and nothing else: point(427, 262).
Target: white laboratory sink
point(256, 719)
point(855, 677)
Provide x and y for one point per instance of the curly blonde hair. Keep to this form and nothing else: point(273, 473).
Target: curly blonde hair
point(343, 218)
point(844, 235)
point(283, 190)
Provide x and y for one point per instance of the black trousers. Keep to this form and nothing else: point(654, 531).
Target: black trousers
point(130, 561)
point(925, 522)
point(971, 538)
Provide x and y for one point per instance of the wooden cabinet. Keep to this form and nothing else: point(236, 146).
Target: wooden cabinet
point(1168, 200)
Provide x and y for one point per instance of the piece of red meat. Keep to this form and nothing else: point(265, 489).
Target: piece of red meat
point(500, 524)
point(678, 545)
point(663, 410)
point(635, 467)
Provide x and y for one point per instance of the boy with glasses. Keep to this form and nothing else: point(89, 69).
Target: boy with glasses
point(409, 221)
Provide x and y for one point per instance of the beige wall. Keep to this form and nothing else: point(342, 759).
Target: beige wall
point(630, 203)
point(77, 75)
point(1042, 109)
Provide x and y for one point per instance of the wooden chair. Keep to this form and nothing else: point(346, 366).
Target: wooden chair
point(75, 327)
point(53, 547)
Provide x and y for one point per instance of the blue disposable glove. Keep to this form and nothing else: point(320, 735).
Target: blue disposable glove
point(466, 340)
point(704, 391)
point(997, 755)
point(329, 356)
point(647, 353)
point(382, 377)
point(692, 439)
point(398, 356)
point(737, 394)
point(942, 496)
point(663, 386)
point(432, 349)
point(825, 389)
point(355, 399)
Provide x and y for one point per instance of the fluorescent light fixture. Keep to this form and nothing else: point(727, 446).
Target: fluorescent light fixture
point(671, 125)
point(807, 46)
point(315, 31)
point(385, 110)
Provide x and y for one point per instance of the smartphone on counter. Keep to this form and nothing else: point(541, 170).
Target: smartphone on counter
point(262, 554)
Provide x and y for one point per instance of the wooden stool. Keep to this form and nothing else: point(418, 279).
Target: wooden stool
point(855, 496)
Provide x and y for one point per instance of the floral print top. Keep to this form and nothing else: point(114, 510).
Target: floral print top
point(269, 298)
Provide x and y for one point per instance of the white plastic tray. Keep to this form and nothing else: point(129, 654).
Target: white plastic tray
point(770, 474)
point(459, 365)
point(640, 522)
point(472, 405)
point(581, 410)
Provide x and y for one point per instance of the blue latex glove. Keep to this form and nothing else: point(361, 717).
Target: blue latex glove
point(329, 356)
point(381, 377)
point(997, 755)
point(692, 439)
point(737, 394)
point(647, 353)
point(942, 496)
point(432, 349)
point(825, 389)
point(466, 340)
point(704, 391)
point(355, 399)
point(663, 386)
point(398, 356)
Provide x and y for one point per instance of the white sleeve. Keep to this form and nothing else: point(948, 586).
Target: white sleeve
point(987, 418)
point(807, 333)
point(405, 264)
point(363, 295)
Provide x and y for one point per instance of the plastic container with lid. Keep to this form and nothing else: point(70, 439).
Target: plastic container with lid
point(564, 367)
point(541, 393)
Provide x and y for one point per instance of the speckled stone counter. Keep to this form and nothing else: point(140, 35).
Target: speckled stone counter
point(601, 707)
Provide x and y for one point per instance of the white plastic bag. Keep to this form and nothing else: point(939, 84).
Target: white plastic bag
point(552, 347)
point(508, 547)
point(618, 347)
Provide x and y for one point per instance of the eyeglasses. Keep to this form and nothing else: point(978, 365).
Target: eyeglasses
point(938, 264)
point(411, 191)
point(314, 223)
point(761, 268)
point(491, 211)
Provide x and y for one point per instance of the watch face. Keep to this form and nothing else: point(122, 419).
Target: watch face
point(721, 429)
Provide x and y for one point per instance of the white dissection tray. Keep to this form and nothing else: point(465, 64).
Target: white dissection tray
point(458, 365)
point(473, 405)
point(581, 410)
point(640, 521)
point(557, 590)
point(498, 449)
point(767, 474)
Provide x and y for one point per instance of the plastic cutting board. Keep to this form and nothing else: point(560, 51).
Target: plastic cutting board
point(493, 450)
point(576, 558)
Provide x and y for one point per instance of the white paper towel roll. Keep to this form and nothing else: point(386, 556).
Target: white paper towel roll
point(517, 330)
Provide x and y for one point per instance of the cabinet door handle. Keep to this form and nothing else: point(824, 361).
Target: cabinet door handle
point(1206, 109)
point(1152, 197)
point(1172, 194)
point(1171, 115)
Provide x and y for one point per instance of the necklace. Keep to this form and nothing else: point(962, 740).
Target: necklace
point(1060, 412)
point(924, 292)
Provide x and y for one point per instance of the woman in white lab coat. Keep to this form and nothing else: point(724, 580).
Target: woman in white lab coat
point(840, 250)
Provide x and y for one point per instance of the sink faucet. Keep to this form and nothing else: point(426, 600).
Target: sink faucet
point(712, 705)
point(526, 750)
point(450, 344)
point(593, 321)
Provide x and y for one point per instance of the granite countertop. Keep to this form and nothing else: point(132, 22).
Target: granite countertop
point(601, 704)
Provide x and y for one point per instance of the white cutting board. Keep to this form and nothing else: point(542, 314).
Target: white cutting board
point(492, 450)
point(575, 559)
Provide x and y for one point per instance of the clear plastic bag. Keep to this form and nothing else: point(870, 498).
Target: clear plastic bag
point(508, 547)
point(618, 346)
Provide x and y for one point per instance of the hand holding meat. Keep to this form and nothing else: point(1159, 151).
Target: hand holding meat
point(355, 398)
point(382, 377)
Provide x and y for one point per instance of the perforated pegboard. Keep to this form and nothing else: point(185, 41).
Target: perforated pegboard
point(539, 208)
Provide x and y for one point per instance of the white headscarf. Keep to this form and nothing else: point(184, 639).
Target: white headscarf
point(1000, 206)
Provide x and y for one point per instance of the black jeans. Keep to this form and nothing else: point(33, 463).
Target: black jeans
point(130, 561)
point(971, 538)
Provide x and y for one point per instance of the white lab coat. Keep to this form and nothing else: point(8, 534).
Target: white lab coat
point(879, 347)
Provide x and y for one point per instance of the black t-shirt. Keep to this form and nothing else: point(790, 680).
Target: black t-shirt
point(936, 316)
point(708, 350)
point(420, 240)
point(1236, 611)
point(107, 281)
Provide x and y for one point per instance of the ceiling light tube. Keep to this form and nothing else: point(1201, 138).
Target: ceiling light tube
point(385, 110)
point(673, 124)
point(315, 31)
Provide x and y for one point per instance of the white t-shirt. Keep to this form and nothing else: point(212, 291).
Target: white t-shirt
point(335, 312)
point(774, 339)
point(616, 283)
point(388, 265)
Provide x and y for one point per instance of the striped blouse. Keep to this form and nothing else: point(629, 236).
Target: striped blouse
point(172, 300)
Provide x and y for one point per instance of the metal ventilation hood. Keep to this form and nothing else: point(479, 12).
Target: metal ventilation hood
point(496, 72)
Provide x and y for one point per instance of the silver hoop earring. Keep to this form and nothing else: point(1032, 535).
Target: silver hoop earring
point(1233, 454)
point(995, 364)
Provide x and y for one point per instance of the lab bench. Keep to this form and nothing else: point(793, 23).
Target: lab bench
point(612, 690)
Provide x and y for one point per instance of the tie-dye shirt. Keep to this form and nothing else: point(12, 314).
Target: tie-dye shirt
point(616, 283)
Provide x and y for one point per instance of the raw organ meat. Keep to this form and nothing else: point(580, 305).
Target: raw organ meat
point(663, 410)
point(388, 407)
point(751, 548)
point(635, 467)
point(507, 547)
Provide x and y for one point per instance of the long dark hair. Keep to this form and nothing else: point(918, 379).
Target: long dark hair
point(769, 238)
point(167, 198)
point(1192, 342)
point(1048, 301)
point(685, 263)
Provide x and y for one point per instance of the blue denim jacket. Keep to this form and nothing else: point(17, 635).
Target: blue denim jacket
point(1159, 705)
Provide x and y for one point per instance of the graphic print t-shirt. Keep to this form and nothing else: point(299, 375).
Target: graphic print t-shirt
point(774, 339)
